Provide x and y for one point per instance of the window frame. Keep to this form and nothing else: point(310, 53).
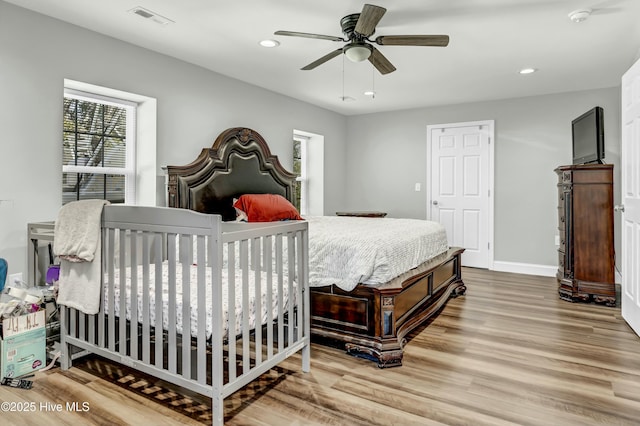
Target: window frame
point(303, 178)
point(129, 171)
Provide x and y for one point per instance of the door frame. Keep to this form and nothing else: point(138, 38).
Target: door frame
point(491, 167)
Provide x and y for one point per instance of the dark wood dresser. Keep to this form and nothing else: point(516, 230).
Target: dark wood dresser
point(586, 270)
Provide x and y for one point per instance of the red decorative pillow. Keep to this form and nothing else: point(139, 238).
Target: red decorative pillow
point(266, 208)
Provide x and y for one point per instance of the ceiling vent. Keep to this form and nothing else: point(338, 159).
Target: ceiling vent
point(152, 16)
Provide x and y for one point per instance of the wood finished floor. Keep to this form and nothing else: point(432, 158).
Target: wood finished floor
point(508, 352)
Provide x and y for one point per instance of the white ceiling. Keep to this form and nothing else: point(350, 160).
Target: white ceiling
point(490, 41)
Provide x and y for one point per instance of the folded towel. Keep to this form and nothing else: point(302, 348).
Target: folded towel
point(78, 245)
point(77, 229)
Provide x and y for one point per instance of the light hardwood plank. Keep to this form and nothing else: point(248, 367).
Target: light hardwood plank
point(509, 352)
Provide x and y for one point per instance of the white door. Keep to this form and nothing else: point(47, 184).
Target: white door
point(630, 172)
point(461, 186)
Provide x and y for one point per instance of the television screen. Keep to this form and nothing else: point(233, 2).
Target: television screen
point(588, 137)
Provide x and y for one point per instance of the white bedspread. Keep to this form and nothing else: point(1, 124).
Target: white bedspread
point(346, 251)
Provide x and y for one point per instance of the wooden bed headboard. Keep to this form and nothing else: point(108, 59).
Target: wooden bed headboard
point(239, 162)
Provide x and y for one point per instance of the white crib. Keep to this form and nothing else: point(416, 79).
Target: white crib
point(204, 304)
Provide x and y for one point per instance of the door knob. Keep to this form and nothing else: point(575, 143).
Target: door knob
point(619, 208)
point(434, 202)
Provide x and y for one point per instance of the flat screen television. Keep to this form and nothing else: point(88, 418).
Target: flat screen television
point(588, 137)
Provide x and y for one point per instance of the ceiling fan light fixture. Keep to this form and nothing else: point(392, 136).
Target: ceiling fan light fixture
point(580, 15)
point(357, 52)
point(269, 43)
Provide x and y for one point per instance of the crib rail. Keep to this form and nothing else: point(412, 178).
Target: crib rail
point(177, 290)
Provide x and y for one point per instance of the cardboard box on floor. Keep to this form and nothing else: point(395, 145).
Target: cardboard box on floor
point(23, 344)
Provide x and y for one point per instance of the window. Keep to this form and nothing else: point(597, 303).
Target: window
point(300, 169)
point(308, 165)
point(98, 159)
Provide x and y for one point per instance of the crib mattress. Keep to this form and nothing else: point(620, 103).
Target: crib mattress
point(237, 308)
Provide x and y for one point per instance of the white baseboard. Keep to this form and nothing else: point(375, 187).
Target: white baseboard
point(526, 268)
point(532, 269)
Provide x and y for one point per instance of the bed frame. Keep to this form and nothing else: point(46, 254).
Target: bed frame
point(369, 322)
point(214, 366)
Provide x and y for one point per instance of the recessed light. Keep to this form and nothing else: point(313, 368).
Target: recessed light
point(528, 70)
point(269, 43)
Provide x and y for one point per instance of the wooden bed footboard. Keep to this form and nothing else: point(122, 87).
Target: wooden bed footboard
point(373, 322)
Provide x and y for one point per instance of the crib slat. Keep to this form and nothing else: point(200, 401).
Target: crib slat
point(111, 319)
point(107, 287)
point(279, 270)
point(201, 350)
point(133, 304)
point(81, 325)
point(268, 258)
point(171, 317)
point(246, 339)
point(146, 337)
point(159, 336)
point(299, 268)
point(291, 251)
point(255, 256)
point(122, 285)
point(186, 240)
point(231, 308)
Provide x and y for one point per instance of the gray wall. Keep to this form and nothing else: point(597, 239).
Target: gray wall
point(194, 105)
point(386, 156)
point(371, 161)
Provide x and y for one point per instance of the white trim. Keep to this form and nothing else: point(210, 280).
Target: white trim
point(492, 138)
point(533, 269)
point(97, 98)
point(303, 178)
point(525, 268)
point(97, 170)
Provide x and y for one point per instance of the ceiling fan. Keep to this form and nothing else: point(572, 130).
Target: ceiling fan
point(357, 28)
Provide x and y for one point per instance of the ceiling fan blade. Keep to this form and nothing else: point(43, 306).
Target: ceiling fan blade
point(309, 35)
point(413, 40)
point(322, 60)
point(381, 63)
point(369, 18)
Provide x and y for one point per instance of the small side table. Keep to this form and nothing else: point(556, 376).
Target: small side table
point(362, 214)
point(37, 232)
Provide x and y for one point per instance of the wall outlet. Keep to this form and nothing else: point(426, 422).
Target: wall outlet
point(15, 279)
point(417, 186)
point(557, 240)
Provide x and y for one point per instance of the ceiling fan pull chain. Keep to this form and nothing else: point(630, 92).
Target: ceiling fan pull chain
point(342, 78)
point(373, 83)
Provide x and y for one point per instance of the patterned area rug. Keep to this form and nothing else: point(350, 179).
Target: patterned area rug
point(181, 400)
